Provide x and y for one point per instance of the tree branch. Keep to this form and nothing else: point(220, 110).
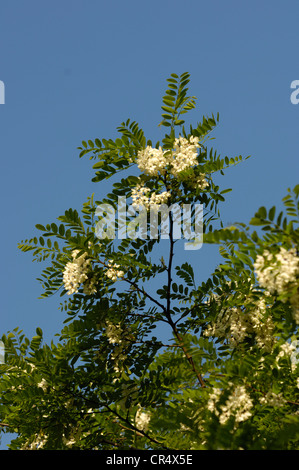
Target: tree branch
point(145, 293)
point(168, 309)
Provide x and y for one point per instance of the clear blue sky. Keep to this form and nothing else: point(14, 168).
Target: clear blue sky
point(74, 70)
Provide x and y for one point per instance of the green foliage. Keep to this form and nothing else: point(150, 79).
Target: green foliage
point(227, 374)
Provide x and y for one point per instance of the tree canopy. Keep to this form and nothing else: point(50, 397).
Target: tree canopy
point(228, 377)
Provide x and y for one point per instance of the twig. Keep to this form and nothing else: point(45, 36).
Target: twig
point(168, 311)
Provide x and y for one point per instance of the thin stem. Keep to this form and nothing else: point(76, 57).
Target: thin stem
point(145, 293)
point(188, 356)
point(168, 307)
point(171, 253)
point(133, 428)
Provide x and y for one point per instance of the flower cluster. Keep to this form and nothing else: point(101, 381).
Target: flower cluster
point(76, 273)
point(235, 324)
point(139, 196)
point(113, 271)
point(43, 384)
point(290, 351)
point(117, 337)
point(272, 399)
point(184, 155)
point(153, 161)
point(36, 444)
point(142, 420)
point(197, 181)
point(113, 333)
point(279, 273)
point(238, 405)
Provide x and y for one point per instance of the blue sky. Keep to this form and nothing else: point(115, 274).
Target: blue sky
point(74, 70)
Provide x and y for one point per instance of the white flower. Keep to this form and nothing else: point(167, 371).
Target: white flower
point(113, 271)
point(277, 272)
point(38, 443)
point(117, 337)
point(153, 161)
point(213, 400)
point(184, 155)
point(272, 399)
point(140, 197)
point(291, 351)
point(43, 384)
point(75, 272)
point(238, 405)
point(198, 181)
point(113, 332)
point(235, 324)
point(142, 420)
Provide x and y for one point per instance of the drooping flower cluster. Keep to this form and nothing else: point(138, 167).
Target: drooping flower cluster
point(113, 271)
point(142, 420)
point(238, 404)
point(118, 338)
point(113, 332)
point(140, 197)
point(290, 351)
point(272, 399)
point(235, 324)
point(279, 273)
point(76, 273)
point(43, 384)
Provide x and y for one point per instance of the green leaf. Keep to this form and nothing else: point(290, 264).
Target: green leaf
point(296, 190)
point(271, 213)
point(61, 230)
point(39, 331)
point(262, 212)
point(256, 221)
point(54, 228)
point(167, 109)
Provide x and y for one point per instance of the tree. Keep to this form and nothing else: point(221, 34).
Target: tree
point(228, 377)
